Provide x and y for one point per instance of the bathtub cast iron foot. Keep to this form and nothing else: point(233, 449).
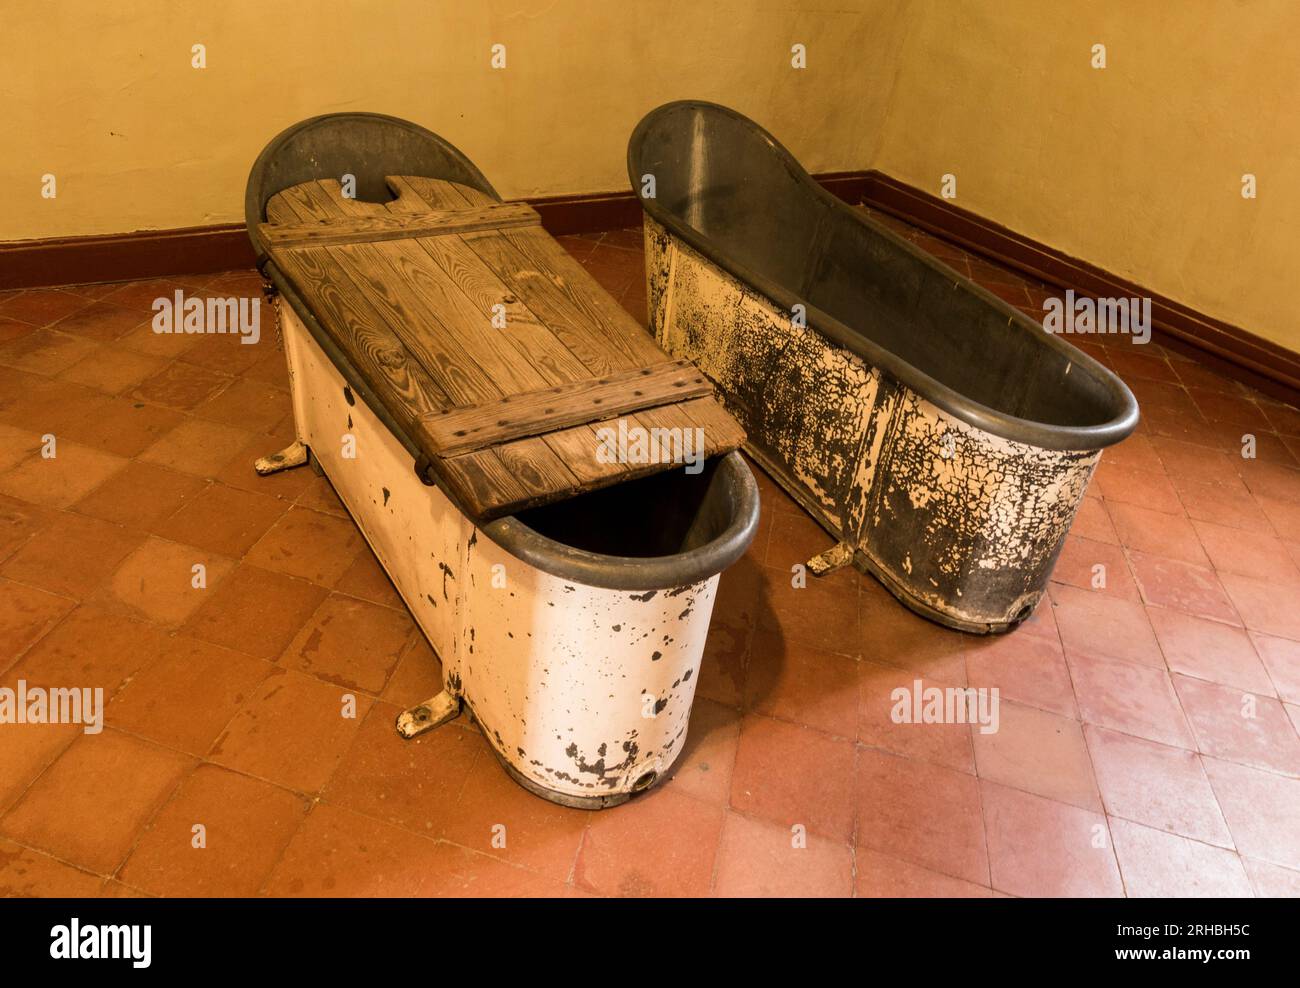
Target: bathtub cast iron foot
point(426, 716)
point(832, 559)
point(293, 455)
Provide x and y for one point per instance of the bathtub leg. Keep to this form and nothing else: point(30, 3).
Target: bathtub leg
point(428, 715)
point(832, 559)
point(293, 455)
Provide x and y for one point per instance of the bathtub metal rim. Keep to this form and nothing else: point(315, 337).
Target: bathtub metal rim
point(643, 572)
point(1002, 424)
point(257, 193)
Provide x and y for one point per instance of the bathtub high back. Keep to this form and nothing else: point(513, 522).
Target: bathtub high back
point(942, 436)
point(454, 374)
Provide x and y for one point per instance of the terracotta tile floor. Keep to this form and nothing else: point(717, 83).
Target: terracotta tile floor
point(1148, 736)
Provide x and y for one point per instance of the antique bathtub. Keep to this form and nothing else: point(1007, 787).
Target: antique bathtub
point(572, 631)
point(943, 437)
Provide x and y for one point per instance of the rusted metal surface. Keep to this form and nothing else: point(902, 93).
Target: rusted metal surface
point(584, 693)
point(962, 525)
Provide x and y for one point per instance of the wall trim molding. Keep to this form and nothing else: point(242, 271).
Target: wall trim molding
point(222, 247)
point(124, 256)
point(1230, 349)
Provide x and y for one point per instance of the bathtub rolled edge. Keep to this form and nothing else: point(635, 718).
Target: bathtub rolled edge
point(645, 573)
point(1060, 438)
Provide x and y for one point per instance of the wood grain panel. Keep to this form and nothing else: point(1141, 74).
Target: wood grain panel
point(509, 416)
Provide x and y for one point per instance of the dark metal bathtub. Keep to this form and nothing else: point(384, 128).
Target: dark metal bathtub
point(941, 435)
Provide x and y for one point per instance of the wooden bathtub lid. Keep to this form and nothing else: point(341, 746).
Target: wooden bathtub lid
point(414, 293)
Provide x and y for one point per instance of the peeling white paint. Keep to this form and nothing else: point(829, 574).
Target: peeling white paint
point(556, 672)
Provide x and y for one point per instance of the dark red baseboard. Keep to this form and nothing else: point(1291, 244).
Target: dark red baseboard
point(1261, 363)
point(124, 256)
point(206, 249)
point(587, 214)
point(1242, 355)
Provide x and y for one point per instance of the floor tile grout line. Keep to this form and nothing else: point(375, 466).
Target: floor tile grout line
point(26, 650)
point(89, 599)
point(35, 849)
point(127, 460)
point(313, 803)
point(743, 711)
point(14, 803)
point(1218, 799)
point(855, 821)
point(1174, 833)
point(1110, 836)
point(438, 839)
point(1169, 673)
point(572, 880)
point(147, 825)
point(980, 789)
point(1194, 751)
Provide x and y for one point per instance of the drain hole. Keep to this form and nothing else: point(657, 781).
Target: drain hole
point(645, 782)
point(1023, 613)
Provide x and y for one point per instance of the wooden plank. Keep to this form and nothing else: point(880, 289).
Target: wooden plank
point(439, 193)
point(490, 483)
point(367, 227)
point(430, 301)
point(580, 449)
point(326, 194)
point(537, 468)
point(483, 286)
point(481, 484)
point(577, 446)
point(721, 433)
point(522, 476)
point(293, 204)
point(584, 291)
point(410, 201)
point(407, 392)
point(502, 262)
point(536, 288)
point(278, 210)
point(421, 333)
point(535, 413)
point(483, 289)
point(564, 294)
